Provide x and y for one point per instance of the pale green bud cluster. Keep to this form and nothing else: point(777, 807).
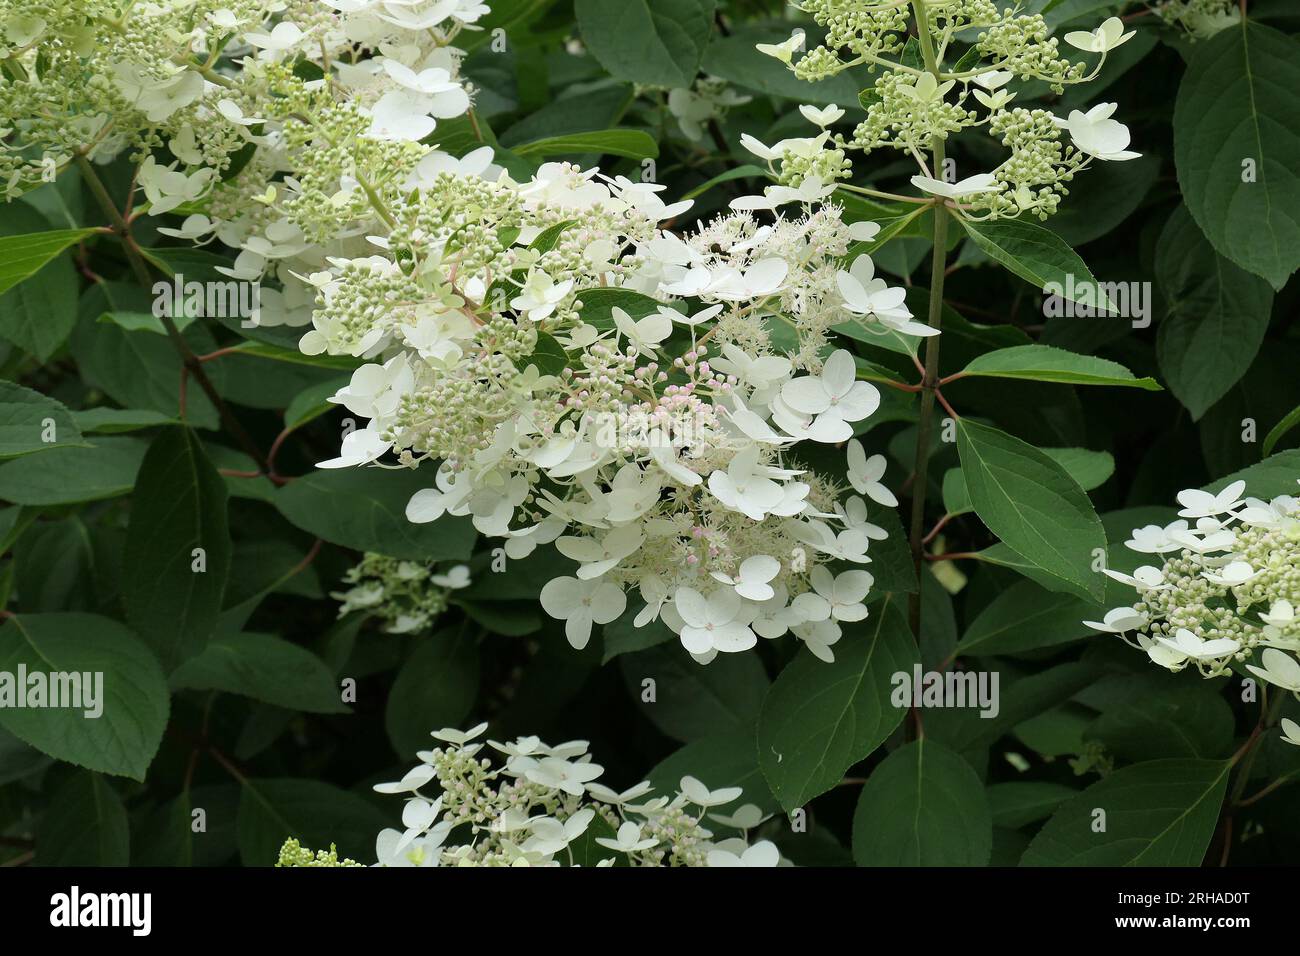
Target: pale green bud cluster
point(294, 854)
point(405, 595)
point(1201, 19)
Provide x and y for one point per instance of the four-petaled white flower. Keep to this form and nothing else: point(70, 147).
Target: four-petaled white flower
point(629, 839)
point(761, 854)
point(1280, 668)
point(1106, 37)
point(579, 604)
point(1097, 135)
point(865, 474)
point(970, 186)
point(869, 296)
point(715, 623)
point(540, 295)
point(835, 397)
point(752, 579)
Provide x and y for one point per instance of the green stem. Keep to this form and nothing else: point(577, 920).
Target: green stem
point(929, 382)
point(190, 362)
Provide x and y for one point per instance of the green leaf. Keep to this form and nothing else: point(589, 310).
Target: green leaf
point(24, 255)
point(318, 814)
point(38, 314)
point(1026, 617)
point(1091, 469)
point(819, 719)
point(1174, 720)
point(30, 421)
point(144, 321)
point(632, 143)
point(923, 806)
point(1105, 197)
point(1040, 257)
point(105, 468)
point(111, 421)
point(1021, 803)
point(105, 420)
point(136, 369)
point(275, 353)
point(1030, 502)
point(965, 729)
point(85, 825)
point(1275, 475)
point(621, 637)
point(598, 306)
point(690, 701)
point(1160, 813)
point(549, 356)
point(649, 42)
point(135, 702)
point(747, 171)
point(1043, 363)
point(178, 548)
point(1279, 431)
point(1236, 106)
point(435, 688)
point(1218, 315)
point(263, 667)
point(365, 509)
point(313, 402)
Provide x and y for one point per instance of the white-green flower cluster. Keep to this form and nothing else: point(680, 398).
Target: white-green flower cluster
point(543, 806)
point(294, 854)
point(574, 373)
point(707, 100)
point(406, 595)
point(1201, 19)
point(1227, 590)
point(918, 100)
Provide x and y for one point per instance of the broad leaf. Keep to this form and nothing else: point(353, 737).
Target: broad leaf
point(819, 719)
point(632, 143)
point(1040, 257)
point(1029, 501)
point(178, 548)
point(1043, 363)
point(1237, 147)
point(1160, 813)
point(263, 667)
point(923, 806)
point(24, 255)
point(1216, 320)
point(649, 42)
point(365, 509)
point(123, 739)
point(436, 687)
point(30, 421)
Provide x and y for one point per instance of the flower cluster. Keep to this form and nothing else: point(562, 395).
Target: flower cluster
point(544, 806)
point(579, 374)
point(573, 372)
point(916, 101)
point(1201, 19)
point(294, 854)
point(405, 595)
point(1227, 588)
